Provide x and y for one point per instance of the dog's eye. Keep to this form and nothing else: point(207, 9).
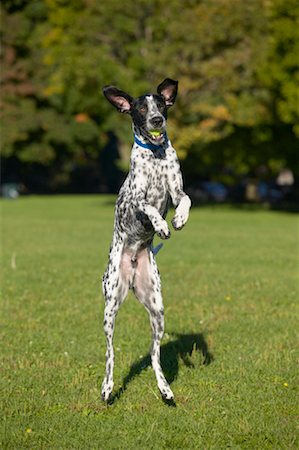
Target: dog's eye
point(142, 110)
point(161, 107)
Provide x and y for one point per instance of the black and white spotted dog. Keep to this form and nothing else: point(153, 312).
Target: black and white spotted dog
point(154, 180)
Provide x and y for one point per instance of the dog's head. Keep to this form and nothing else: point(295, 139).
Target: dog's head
point(148, 112)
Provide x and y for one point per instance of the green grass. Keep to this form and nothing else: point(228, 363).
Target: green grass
point(229, 284)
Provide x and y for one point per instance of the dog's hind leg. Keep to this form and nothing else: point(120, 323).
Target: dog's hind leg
point(147, 288)
point(116, 281)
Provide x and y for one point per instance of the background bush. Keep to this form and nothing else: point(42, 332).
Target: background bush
point(237, 63)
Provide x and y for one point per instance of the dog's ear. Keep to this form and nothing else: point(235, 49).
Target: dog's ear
point(168, 89)
point(119, 99)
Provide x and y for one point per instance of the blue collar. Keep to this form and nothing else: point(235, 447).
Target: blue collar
point(149, 145)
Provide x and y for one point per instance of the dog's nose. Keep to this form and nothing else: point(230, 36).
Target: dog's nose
point(157, 121)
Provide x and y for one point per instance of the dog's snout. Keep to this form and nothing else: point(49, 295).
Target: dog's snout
point(157, 121)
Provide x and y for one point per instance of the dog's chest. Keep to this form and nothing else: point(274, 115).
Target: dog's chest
point(148, 180)
point(156, 177)
point(151, 172)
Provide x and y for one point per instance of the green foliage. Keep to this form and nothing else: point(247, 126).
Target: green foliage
point(229, 275)
point(237, 63)
point(281, 72)
point(37, 127)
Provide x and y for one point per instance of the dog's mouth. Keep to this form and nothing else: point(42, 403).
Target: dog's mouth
point(156, 136)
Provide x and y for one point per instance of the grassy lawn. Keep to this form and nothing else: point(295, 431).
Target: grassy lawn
point(230, 293)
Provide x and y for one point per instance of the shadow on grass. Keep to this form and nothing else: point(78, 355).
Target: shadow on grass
point(182, 347)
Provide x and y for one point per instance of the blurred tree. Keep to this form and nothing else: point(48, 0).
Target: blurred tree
point(39, 135)
point(280, 73)
point(237, 63)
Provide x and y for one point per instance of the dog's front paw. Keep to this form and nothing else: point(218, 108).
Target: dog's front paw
point(162, 230)
point(181, 213)
point(179, 221)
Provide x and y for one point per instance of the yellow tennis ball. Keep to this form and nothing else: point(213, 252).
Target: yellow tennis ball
point(155, 133)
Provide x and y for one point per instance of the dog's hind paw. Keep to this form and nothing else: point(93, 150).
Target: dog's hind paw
point(167, 393)
point(106, 392)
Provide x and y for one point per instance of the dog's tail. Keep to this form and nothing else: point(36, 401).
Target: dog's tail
point(156, 249)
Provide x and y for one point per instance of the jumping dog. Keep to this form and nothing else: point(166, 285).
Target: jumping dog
point(154, 180)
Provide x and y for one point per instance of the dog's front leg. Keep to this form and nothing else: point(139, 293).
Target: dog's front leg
point(180, 199)
point(181, 212)
point(159, 224)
